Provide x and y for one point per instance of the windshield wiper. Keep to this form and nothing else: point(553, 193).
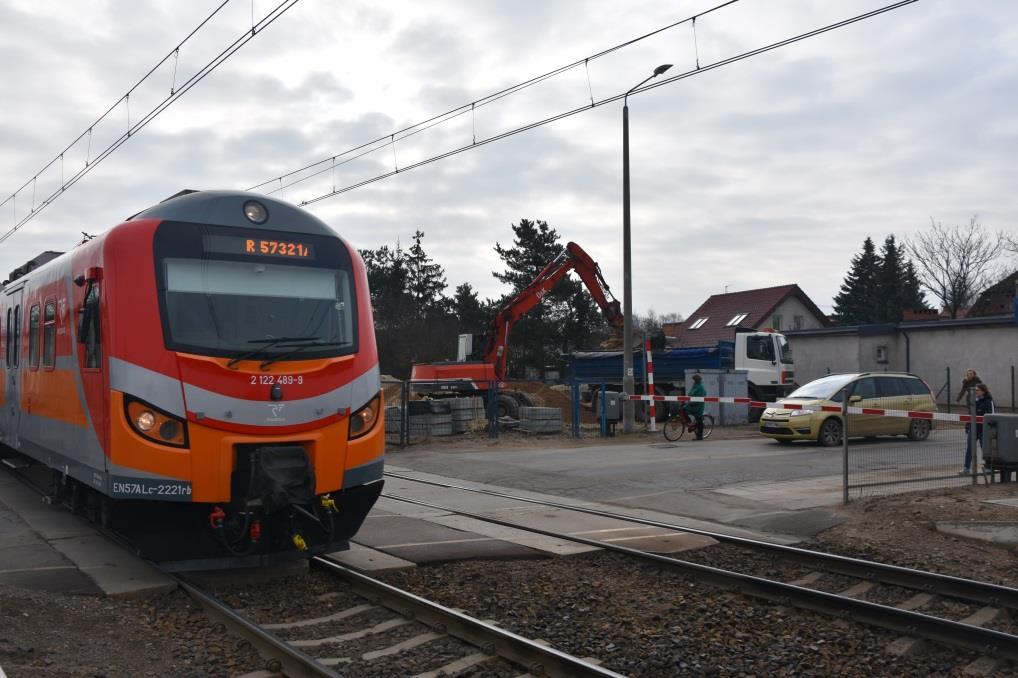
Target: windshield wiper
point(267, 343)
point(298, 349)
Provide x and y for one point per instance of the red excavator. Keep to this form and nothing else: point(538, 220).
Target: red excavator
point(475, 377)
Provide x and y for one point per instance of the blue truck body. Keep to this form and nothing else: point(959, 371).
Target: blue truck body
point(670, 366)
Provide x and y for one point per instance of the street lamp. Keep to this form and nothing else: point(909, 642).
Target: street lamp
point(628, 384)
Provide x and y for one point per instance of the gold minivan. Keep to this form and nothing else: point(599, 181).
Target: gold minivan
point(877, 390)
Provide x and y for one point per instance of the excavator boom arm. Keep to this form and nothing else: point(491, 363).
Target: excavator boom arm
point(572, 257)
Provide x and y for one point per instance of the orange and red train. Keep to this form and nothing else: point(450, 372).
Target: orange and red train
point(203, 378)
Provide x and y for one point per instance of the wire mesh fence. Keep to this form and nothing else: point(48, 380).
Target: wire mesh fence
point(951, 450)
point(419, 411)
point(881, 464)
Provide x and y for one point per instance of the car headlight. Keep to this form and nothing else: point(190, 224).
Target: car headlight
point(799, 413)
point(364, 419)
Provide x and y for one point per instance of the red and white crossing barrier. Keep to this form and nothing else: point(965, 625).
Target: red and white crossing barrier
point(935, 416)
point(650, 384)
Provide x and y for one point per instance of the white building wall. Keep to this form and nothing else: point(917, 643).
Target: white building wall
point(818, 356)
point(991, 350)
point(784, 317)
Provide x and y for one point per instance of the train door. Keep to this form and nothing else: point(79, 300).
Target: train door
point(12, 359)
point(91, 338)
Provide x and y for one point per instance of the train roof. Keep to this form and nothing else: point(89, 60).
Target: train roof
point(30, 266)
point(226, 208)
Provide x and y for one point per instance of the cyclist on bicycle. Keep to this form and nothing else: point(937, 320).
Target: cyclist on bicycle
point(696, 409)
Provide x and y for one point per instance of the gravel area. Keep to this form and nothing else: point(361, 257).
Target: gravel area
point(640, 619)
point(643, 621)
point(55, 636)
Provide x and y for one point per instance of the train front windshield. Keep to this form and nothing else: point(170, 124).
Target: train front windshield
point(230, 296)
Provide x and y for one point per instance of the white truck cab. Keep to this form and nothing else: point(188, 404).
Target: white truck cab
point(767, 359)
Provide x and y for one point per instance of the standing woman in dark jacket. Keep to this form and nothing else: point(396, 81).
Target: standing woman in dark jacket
point(970, 380)
point(984, 406)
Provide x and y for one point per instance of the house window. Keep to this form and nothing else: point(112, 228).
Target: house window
point(698, 323)
point(776, 321)
point(796, 322)
point(736, 320)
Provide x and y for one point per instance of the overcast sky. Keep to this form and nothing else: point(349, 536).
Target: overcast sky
point(765, 172)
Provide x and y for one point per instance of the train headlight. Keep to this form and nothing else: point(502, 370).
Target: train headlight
point(363, 420)
point(145, 421)
point(255, 212)
point(153, 424)
point(169, 430)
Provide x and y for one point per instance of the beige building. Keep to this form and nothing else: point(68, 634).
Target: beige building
point(934, 350)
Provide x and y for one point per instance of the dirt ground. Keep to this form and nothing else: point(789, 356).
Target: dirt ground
point(902, 529)
point(60, 635)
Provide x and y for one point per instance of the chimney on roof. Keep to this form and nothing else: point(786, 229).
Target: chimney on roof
point(911, 314)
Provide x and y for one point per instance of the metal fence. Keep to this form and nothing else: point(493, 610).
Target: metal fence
point(950, 455)
point(418, 411)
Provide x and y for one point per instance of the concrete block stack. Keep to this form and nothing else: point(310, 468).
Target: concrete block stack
point(541, 419)
point(440, 418)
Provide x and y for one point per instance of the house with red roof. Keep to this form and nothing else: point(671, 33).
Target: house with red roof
point(782, 308)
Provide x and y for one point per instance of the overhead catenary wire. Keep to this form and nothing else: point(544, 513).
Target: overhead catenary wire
point(175, 93)
point(113, 107)
point(484, 101)
point(699, 69)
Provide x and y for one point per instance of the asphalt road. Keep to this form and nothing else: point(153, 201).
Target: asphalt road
point(714, 479)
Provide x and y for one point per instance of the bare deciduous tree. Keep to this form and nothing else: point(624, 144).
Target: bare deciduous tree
point(956, 263)
point(1010, 242)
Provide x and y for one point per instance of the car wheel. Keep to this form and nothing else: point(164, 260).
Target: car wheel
point(919, 429)
point(830, 433)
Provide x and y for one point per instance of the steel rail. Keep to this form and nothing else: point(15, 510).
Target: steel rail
point(539, 660)
point(952, 633)
point(282, 657)
point(931, 582)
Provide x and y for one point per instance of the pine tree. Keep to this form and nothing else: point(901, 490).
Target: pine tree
point(912, 294)
point(899, 284)
point(408, 329)
point(855, 304)
point(534, 245)
point(565, 320)
point(471, 313)
point(426, 280)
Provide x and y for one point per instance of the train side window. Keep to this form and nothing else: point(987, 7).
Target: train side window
point(89, 333)
point(49, 334)
point(16, 350)
point(7, 338)
point(33, 336)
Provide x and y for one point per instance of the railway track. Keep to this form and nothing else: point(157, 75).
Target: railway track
point(396, 625)
point(906, 617)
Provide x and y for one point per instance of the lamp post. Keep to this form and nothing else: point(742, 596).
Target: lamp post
point(628, 384)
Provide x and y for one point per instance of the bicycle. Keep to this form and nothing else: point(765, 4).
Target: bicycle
point(682, 421)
